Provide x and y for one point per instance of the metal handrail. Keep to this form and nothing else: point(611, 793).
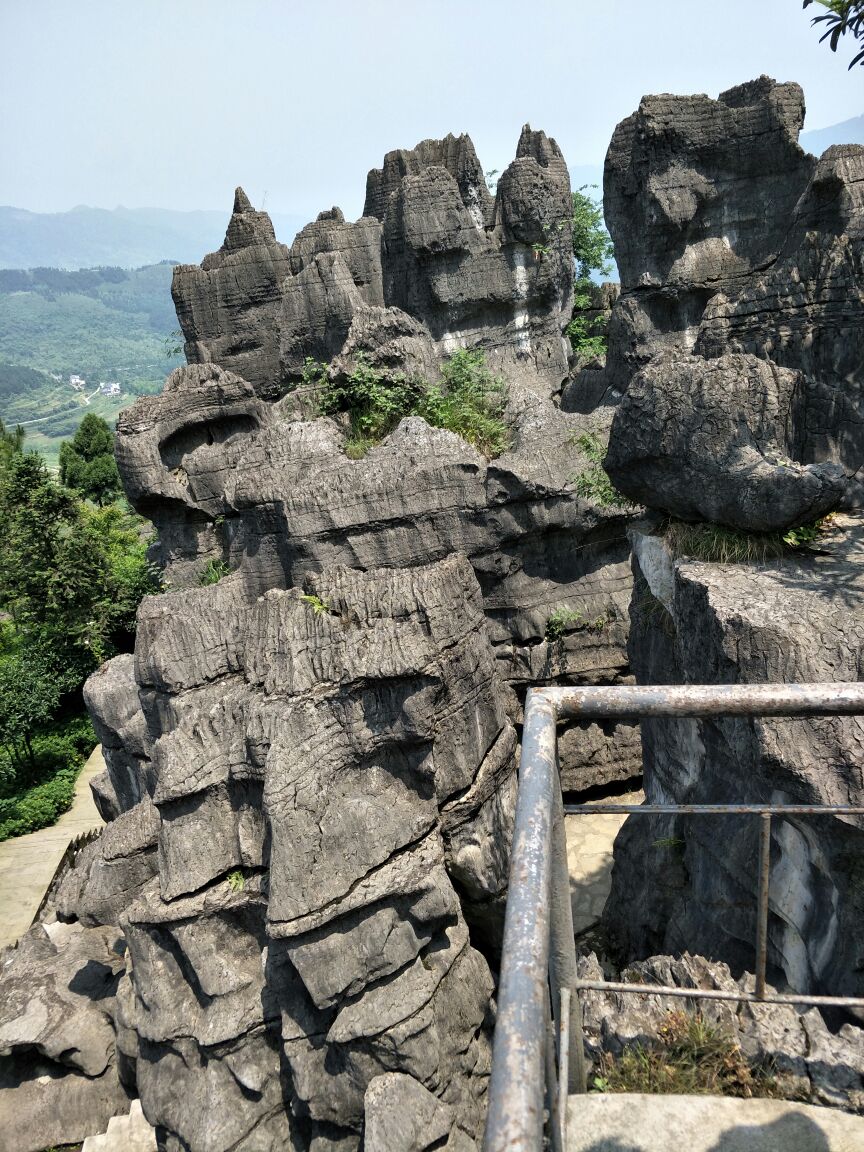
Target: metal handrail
point(538, 965)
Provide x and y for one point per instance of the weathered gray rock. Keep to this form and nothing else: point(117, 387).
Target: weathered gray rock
point(333, 787)
point(403, 1116)
point(595, 755)
point(228, 478)
point(681, 882)
point(58, 1075)
point(719, 440)
point(227, 308)
point(130, 1133)
point(730, 239)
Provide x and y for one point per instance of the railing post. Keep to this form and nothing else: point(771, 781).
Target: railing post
point(553, 1095)
point(514, 1120)
point(562, 941)
point(762, 909)
point(564, 1009)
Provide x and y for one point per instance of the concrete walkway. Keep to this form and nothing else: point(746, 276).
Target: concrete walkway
point(28, 863)
point(589, 856)
point(622, 1122)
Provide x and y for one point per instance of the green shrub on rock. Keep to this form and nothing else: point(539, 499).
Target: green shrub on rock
point(469, 401)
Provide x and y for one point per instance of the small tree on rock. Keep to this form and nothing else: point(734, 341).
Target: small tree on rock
point(87, 462)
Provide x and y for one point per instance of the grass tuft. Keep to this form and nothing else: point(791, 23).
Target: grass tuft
point(716, 543)
point(214, 572)
point(689, 1057)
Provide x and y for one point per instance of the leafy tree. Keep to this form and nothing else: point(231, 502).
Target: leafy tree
point(71, 575)
point(592, 245)
point(29, 696)
point(842, 16)
point(592, 251)
point(87, 464)
point(11, 443)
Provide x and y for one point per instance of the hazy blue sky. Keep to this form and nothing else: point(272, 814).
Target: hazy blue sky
point(170, 103)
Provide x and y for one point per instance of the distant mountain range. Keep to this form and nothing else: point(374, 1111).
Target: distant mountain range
point(120, 237)
point(849, 132)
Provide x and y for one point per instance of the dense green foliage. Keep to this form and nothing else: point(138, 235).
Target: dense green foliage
point(592, 251)
point(592, 246)
point(593, 482)
point(100, 323)
point(71, 576)
point(87, 464)
point(11, 440)
point(33, 797)
point(469, 401)
point(842, 16)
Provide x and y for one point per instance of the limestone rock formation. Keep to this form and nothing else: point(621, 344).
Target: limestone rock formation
point(731, 239)
point(333, 781)
point(680, 882)
point(228, 478)
point(467, 270)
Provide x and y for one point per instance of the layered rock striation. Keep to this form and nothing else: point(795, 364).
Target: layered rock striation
point(332, 778)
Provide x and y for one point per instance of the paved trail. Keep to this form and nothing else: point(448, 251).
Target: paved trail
point(589, 855)
point(28, 863)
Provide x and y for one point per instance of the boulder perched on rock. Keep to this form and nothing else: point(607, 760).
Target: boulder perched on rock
point(730, 239)
point(719, 440)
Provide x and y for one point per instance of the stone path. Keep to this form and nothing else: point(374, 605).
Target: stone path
point(589, 855)
point(28, 863)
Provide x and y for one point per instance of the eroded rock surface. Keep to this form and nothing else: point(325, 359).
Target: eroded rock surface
point(730, 239)
point(333, 781)
point(722, 438)
point(228, 478)
point(59, 1078)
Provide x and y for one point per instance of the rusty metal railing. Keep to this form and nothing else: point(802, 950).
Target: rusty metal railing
point(538, 1053)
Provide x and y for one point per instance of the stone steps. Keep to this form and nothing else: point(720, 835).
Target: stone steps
point(130, 1133)
point(629, 1122)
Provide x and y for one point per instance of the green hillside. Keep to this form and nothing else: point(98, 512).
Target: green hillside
point(103, 324)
